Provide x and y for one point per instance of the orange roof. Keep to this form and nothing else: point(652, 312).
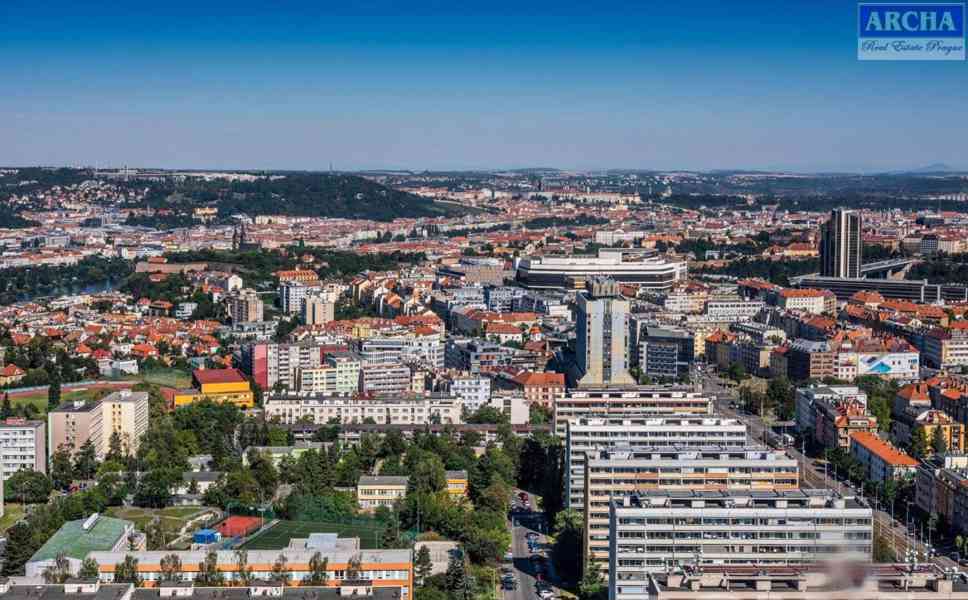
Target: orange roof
point(805, 293)
point(886, 452)
point(540, 379)
point(203, 376)
point(501, 329)
point(914, 392)
point(11, 371)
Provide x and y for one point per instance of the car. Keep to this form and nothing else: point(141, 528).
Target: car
point(546, 594)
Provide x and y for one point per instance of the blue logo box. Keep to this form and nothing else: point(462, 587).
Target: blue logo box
point(888, 31)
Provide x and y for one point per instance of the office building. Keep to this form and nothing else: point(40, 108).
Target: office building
point(245, 307)
point(638, 267)
point(624, 471)
point(602, 335)
point(473, 390)
point(840, 245)
point(595, 434)
point(23, 445)
point(633, 400)
point(665, 352)
point(656, 531)
point(373, 492)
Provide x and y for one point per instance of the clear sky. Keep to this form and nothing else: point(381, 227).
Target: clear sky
point(439, 85)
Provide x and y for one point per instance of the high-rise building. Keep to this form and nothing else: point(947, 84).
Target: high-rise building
point(602, 330)
point(123, 412)
point(245, 307)
point(318, 310)
point(840, 245)
point(22, 446)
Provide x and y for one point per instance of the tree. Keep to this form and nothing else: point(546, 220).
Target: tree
point(6, 411)
point(89, 569)
point(208, 571)
point(30, 487)
point(423, 564)
point(85, 461)
point(115, 449)
point(591, 586)
point(20, 547)
point(736, 371)
point(53, 393)
point(427, 473)
point(171, 567)
point(61, 469)
point(243, 571)
point(59, 571)
point(154, 488)
point(918, 446)
point(456, 577)
point(354, 568)
point(567, 552)
point(127, 571)
point(938, 444)
point(280, 569)
point(318, 569)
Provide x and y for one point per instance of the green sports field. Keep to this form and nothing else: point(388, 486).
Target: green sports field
point(278, 536)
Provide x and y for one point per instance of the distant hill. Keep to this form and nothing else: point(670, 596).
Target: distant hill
point(305, 195)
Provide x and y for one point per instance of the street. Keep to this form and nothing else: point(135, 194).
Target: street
point(813, 476)
point(527, 570)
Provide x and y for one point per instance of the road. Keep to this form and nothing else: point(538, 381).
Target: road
point(525, 569)
point(813, 474)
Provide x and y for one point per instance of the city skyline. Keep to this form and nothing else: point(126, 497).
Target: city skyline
point(437, 87)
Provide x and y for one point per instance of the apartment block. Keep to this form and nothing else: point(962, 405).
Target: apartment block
point(420, 410)
point(587, 435)
point(339, 374)
point(626, 471)
point(245, 306)
point(630, 400)
point(123, 412)
point(881, 460)
point(385, 379)
point(658, 531)
point(22, 446)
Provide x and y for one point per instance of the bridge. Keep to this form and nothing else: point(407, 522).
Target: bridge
point(892, 268)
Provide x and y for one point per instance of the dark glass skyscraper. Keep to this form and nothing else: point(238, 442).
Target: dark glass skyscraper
point(840, 244)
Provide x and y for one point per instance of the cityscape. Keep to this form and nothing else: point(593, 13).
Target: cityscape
point(265, 337)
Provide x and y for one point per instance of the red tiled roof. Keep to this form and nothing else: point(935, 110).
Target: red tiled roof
point(204, 376)
point(886, 452)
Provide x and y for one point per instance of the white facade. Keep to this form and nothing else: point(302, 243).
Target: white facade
point(339, 375)
point(474, 390)
point(22, 446)
point(346, 410)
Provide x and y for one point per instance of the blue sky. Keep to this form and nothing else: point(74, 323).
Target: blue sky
point(436, 85)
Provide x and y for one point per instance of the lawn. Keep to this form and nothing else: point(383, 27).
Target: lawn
point(39, 398)
point(11, 514)
point(278, 536)
point(173, 378)
point(172, 519)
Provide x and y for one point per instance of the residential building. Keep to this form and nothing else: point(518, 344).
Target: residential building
point(385, 379)
point(542, 388)
point(374, 492)
point(945, 348)
point(476, 356)
point(662, 400)
point(422, 410)
point(808, 399)
point(732, 309)
point(941, 488)
point(318, 310)
point(122, 415)
point(594, 434)
point(625, 471)
point(473, 390)
point(841, 245)
point(271, 364)
point(292, 295)
point(657, 530)
point(23, 445)
point(427, 349)
point(880, 459)
point(926, 581)
point(339, 374)
point(245, 306)
point(457, 483)
point(501, 298)
point(807, 359)
point(807, 300)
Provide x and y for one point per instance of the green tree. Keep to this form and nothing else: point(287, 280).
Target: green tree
point(85, 461)
point(59, 571)
point(243, 571)
point(457, 577)
point(208, 571)
point(61, 469)
point(423, 564)
point(6, 411)
point(318, 569)
point(938, 444)
point(53, 393)
point(127, 571)
point(29, 487)
point(280, 569)
point(20, 547)
point(918, 446)
point(566, 552)
point(89, 569)
point(592, 586)
point(115, 449)
point(171, 566)
point(427, 473)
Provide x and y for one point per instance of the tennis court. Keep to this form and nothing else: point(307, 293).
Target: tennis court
point(278, 536)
